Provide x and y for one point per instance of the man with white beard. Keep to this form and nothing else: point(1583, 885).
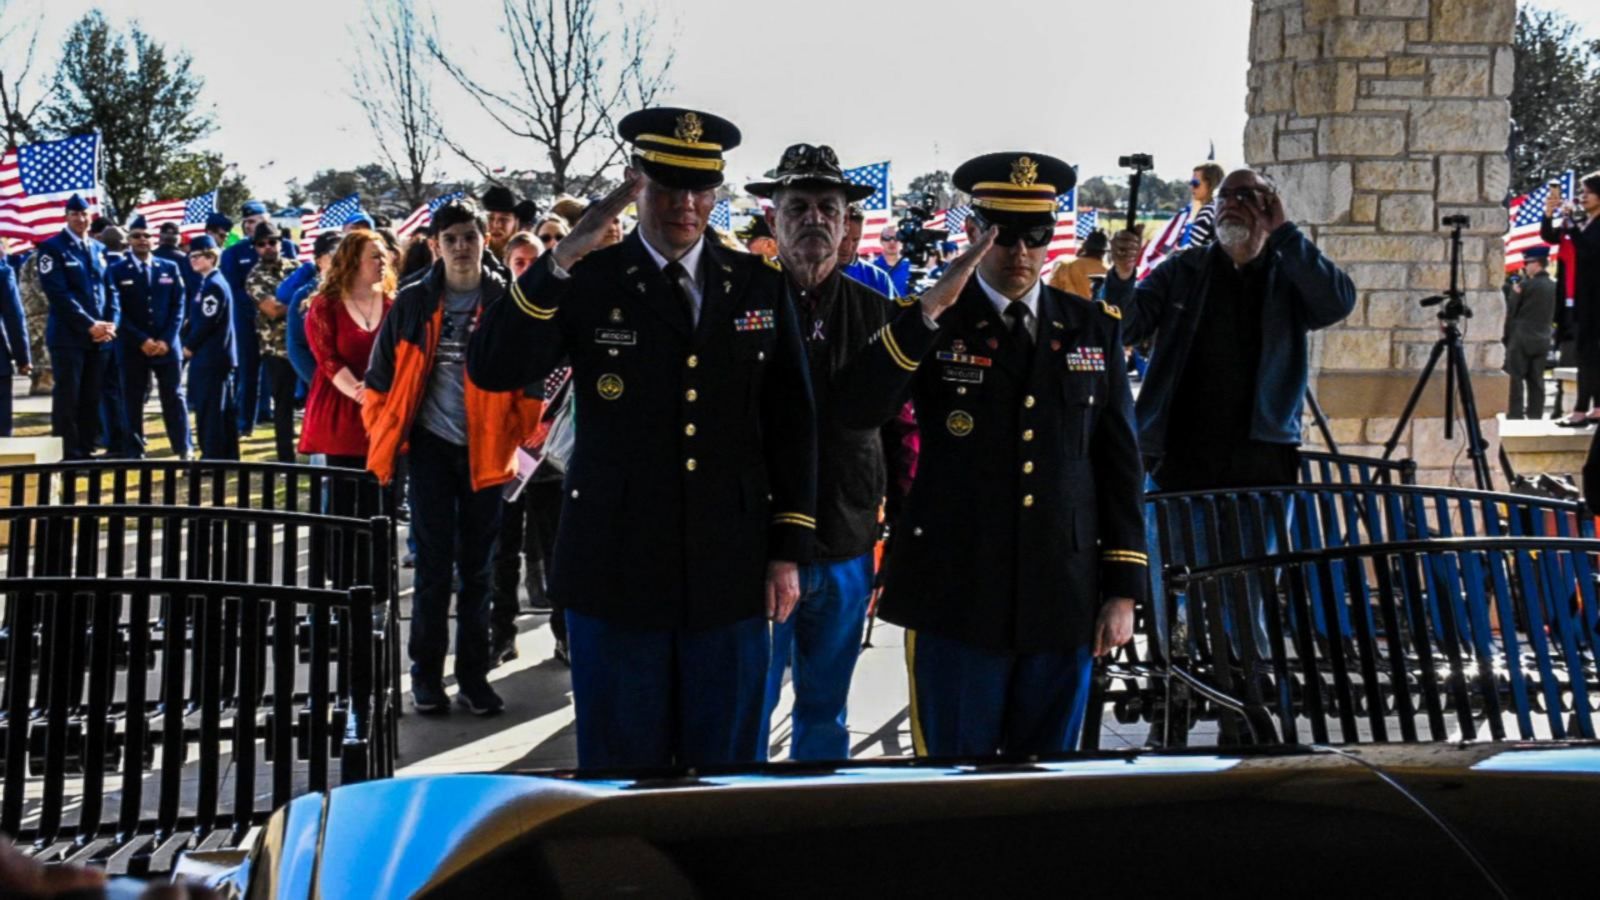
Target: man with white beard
point(1221, 403)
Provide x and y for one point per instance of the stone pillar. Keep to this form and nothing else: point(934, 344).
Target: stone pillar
point(1378, 118)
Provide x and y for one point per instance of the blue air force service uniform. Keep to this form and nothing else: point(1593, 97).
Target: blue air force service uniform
point(14, 350)
point(72, 271)
point(209, 334)
point(694, 466)
point(1025, 513)
point(237, 261)
point(151, 296)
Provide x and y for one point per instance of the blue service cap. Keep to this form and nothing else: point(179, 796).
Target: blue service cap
point(1536, 253)
point(218, 221)
point(139, 224)
point(360, 217)
point(253, 208)
point(76, 203)
point(948, 246)
point(202, 242)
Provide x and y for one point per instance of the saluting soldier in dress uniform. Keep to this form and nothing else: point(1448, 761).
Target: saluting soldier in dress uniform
point(150, 294)
point(81, 330)
point(208, 345)
point(690, 490)
point(1021, 552)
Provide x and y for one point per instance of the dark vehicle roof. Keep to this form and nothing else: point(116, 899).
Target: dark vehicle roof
point(1416, 820)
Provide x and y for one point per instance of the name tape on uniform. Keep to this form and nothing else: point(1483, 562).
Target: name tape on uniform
point(619, 337)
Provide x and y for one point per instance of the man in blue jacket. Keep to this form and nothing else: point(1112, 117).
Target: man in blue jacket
point(237, 261)
point(169, 236)
point(1222, 401)
point(81, 329)
point(14, 355)
point(150, 293)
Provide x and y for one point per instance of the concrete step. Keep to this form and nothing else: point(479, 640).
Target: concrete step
point(1543, 436)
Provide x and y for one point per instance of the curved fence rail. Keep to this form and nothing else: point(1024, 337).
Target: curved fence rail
point(1451, 639)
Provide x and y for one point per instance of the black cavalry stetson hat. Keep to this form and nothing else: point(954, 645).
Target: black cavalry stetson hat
point(499, 198)
point(805, 165)
point(680, 148)
point(1015, 188)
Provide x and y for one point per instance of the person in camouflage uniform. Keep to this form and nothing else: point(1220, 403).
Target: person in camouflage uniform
point(37, 307)
point(261, 286)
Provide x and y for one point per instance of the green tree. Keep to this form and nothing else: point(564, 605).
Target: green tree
point(143, 102)
point(1555, 100)
point(192, 174)
point(935, 185)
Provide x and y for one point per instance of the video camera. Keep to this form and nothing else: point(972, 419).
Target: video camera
point(917, 241)
point(1140, 163)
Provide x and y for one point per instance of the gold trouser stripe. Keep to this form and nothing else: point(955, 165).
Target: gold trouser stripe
point(895, 353)
point(682, 162)
point(524, 304)
point(919, 746)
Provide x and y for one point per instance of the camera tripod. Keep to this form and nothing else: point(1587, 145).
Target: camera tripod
point(1458, 378)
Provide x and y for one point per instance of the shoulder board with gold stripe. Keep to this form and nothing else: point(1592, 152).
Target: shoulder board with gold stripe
point(771, 263)
point(912, 300)
point(1114, 312)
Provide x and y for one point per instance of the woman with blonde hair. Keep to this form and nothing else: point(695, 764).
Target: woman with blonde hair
point(341, 325)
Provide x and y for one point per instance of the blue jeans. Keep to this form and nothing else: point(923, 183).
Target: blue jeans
point(823, 637)
point(970, 701)
point(456, 528)
point(663, 697)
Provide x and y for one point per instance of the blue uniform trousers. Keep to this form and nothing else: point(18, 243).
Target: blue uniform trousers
point(969, 701)
point(137, 370)
point(657, 697)
point(456, 529)
point(75, 399)
point(114, 433)
point(823, 639)
point(211, 394)
point(247, 379)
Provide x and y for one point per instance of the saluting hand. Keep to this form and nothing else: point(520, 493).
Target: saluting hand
point(948, 288)
point(783, 589)
point(590, 232)
point(1114, 627)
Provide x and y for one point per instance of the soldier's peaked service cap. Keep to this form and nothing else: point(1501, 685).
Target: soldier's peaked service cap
point(680, 148)
point(1015, 188)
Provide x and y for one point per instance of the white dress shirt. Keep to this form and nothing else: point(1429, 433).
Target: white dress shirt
point(691, 268)
point(1002, 302)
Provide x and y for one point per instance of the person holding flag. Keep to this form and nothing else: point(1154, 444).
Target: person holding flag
point(1579, 226)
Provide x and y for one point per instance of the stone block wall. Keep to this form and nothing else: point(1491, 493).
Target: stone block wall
point(1377, 118)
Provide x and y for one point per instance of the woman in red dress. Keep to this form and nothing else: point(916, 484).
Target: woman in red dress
point(341, 325)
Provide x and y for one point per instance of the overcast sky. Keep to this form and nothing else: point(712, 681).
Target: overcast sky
point(924, 84)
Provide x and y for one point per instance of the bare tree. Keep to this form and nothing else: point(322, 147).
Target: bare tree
point(391, 84)
point(573, 75)
point(18, 116)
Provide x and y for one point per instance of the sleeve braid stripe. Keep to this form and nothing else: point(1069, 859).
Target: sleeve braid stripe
point(537, 312)
point(795, 519)
point(895, 353)
point(1126, 556)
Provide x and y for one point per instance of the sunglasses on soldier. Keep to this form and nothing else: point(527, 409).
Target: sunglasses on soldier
point(1007, 236)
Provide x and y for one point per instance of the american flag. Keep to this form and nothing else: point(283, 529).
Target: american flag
point(1525, 213)
point(1157, 250)
point(877, 207)
point(422, 215)
point(189, 215)
point(722, 216)
point(330, 218)
point(1088, 221)
point(1065, 240)
point(36, 180)
point(952, 220)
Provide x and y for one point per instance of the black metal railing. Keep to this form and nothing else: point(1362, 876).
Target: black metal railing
point(129, 677)
point(1317, 467)
point(272, 586)
point(1451, 639)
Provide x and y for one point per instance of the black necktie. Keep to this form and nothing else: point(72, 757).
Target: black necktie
point(1018, 311)
point(676, 273)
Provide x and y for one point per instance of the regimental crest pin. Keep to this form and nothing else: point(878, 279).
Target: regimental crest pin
point(959, 423)
point(1056, 346)
point(616, 315)
point(993, 343)
point(609, 387)
point(958, 346)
